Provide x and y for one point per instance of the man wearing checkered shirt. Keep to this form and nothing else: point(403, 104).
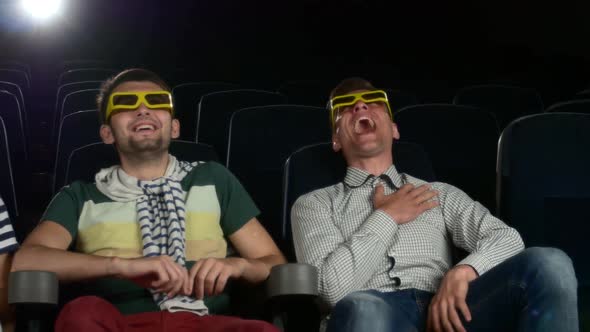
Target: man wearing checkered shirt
point(382, 243)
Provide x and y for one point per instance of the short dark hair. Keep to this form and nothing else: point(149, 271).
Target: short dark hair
point(351, 84)
point(348, 85)
point(127, 75)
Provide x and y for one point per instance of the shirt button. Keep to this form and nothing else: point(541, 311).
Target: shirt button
point(397, 281)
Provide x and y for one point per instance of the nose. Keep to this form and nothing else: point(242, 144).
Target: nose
point(360, 106)
point(142, 110)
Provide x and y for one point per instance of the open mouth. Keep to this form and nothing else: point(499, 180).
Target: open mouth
point(364, 125)
point(144, 128)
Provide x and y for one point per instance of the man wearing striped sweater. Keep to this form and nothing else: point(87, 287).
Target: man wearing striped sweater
point(8, 245)
point(155, 239)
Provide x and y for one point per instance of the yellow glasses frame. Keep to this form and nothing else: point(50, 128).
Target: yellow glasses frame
point(141, 98)
point(352, 98)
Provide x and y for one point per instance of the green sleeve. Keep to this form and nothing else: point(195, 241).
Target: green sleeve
point(64, 209)
point(237, 208)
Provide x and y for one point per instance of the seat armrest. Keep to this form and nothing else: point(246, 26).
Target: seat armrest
point(33, 287)
point(34, 295)
point(293, 279)
point(292, 291)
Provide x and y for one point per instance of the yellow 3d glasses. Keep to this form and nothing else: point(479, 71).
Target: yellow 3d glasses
point(126, 101)
point(352, 98)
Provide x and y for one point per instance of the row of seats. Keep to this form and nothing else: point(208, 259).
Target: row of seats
point(460, 143)
point(536, 170)
point(205, 118)
point(460, 139)
point(205, 115)
point(541, 188)
point(196, 102)
point(506, 102)
point(542, 180)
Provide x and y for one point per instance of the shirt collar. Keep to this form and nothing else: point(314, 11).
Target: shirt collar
point(356, 177)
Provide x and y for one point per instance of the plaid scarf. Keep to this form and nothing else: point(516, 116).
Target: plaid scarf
point(161, 218)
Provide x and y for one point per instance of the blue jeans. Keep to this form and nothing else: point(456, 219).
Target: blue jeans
point(535, 290)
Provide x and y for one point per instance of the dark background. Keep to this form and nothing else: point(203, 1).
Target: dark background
point(398, 43)
point(430, 48)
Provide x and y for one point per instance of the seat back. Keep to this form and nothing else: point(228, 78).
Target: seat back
point(62, 92)
point(84, 162)
point(215, 110)
point(317, 166)
point(17, 77)
point(584, 94)
point(307, 92)
point(16, 65)
point(85, 74)
point(7, 190)
point(399, 99)
point(461, 142)
point(572, 106)
point(543, 164)
point(17, 91)
point(260, 141)
point(186, 103)
point(66, 89)
point(506, 102)
point(543, 182)
point(76, 130)
point(77, 101)
point(66, 65)
point(13, 118)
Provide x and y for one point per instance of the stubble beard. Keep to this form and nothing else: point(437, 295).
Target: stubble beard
point(144, 149)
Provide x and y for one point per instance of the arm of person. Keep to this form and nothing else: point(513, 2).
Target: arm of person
point(344, 265)
point(488, 240)
point(46, 249)
point(258, 254)
point(6, 314)
point(258, 251)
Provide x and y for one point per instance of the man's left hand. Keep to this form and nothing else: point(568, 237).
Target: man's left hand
point(209, 276)
point(443, 310)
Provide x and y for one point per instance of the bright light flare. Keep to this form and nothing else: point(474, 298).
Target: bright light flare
point(42, 9)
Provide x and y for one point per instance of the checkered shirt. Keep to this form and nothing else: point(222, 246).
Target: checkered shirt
point(356, 247)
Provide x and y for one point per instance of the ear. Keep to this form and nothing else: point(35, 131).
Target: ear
point(106, 134)
point(175, 128)
point(336, 142)
point(395, 131)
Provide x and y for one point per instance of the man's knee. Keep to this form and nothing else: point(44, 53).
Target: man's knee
point(84, 313)
point(363, 304)
point(553, 266)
